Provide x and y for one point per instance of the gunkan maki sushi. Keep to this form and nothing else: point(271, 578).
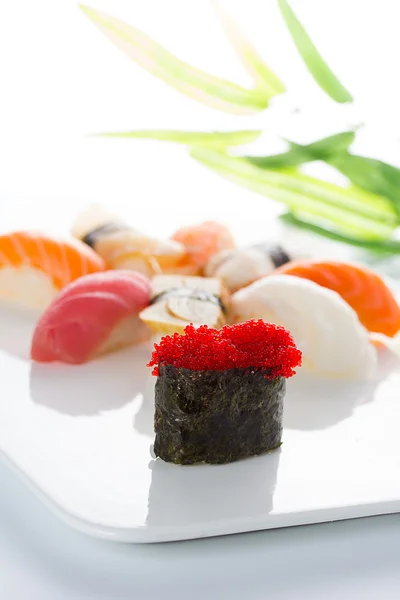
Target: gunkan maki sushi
point(219, 392)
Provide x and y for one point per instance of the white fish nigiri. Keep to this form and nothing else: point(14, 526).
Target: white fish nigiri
point(326, 329)
point(94, 315)
point(239, 267)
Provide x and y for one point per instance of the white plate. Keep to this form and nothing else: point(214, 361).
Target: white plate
point(81, 437)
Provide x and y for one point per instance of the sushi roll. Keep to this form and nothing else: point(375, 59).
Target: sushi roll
point(177, 301)
point(201, 242)
point(240, 267)
point(124, 247)
point(361, 288)
point(219, 393)
point(327, 330)
point(92, 316)
point(34, 267)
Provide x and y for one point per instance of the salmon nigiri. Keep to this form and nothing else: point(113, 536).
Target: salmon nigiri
point(34, 267)
point(94, 315)
point(360, 287)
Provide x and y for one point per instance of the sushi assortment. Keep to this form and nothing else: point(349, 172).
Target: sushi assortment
point(111, 285)
point(228, 324)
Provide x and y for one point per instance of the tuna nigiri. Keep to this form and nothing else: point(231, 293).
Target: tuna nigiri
point(125, 247)
point(360, 287)
point(34, 267)
point(94, 315)
point(325, 328)
point(201, 242)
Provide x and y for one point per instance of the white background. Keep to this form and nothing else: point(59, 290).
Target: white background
point(61, 80)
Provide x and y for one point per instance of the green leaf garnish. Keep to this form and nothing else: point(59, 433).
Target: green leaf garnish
point(386, 246)
point(364, 213)
point(370, 174)
point(198, 138)
point(373, 175)
point(314, 62)
point(252, 61)
point(196, 84)
point(298, 154)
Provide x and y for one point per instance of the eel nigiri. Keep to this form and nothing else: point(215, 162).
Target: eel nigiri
point(325, 328)
point(202, 241)
point(177, 301)
point(34, 267)
point(94, 315)
point(360, 287)
point(241, 266)
point(124, 247)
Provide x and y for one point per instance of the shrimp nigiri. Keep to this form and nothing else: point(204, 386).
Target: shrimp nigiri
point(94, 315)
point(34, 267)
point(201, 242)
point(124, 247)
point(360, 287)
point(326, 329)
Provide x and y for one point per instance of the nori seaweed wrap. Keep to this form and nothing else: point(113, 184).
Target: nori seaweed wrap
point(219, 393)
point(216, 416)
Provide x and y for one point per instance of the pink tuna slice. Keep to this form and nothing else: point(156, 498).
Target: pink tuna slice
point(93, 315)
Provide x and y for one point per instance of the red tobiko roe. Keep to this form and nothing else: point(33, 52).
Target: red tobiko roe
point(253, 344)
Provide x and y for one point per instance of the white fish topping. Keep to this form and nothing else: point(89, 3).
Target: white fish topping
point(326, 329)
point(238, 268)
